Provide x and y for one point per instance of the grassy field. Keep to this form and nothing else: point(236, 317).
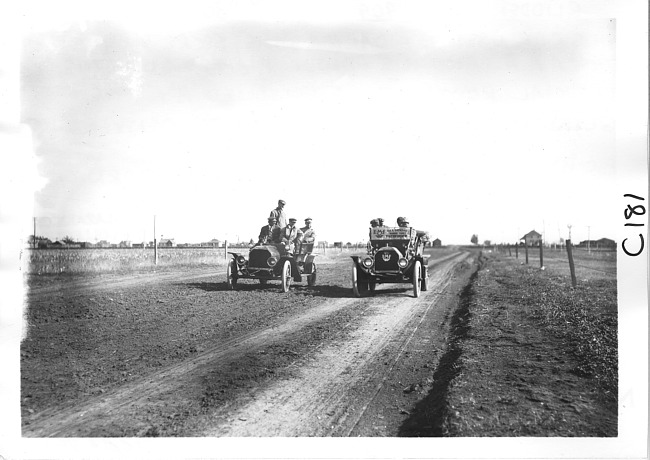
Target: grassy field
point(51, 261)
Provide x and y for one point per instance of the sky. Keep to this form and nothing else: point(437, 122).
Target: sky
point(493, 123)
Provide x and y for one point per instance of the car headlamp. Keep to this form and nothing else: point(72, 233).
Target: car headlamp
point(367, 262)
point(241, 260)
point(272, 261)
point(402, 262)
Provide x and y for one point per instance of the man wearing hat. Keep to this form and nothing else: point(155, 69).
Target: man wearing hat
point(402, 222)
point(279, 214)
point(290, 235)
point(308, 232)
point(269, 233)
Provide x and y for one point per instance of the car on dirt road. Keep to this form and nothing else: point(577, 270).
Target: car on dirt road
point(395, 255)
point(273, 262)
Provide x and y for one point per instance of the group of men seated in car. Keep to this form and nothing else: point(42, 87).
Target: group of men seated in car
point(379, 222)
point(286, 234)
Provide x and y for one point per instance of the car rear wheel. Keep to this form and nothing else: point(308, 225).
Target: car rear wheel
point(417, 278)
point(231, 275)
point(425, 278)
point(286, 276)
point(311, 279)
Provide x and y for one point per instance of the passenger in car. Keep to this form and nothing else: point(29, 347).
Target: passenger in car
point(279, 214)
point(308, 232)
point(290, 235)
point(402, 222)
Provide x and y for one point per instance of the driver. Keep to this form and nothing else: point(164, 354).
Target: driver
point(269, 232)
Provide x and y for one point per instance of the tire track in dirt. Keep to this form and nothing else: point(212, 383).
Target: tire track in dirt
point(336, 376)
point(331, 393)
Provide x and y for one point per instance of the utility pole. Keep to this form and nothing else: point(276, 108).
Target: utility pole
point(155, 242)
point(589, 239)
point(34, 242)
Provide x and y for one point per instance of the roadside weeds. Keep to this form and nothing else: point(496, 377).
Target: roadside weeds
point(528, 356)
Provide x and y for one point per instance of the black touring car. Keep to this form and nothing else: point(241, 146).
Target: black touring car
point(395, 255)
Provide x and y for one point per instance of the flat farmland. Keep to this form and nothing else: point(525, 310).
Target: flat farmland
point(170, 351)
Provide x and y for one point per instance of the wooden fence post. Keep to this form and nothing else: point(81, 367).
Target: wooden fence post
point(517, 251)
point(510, 250)
point(526, 248)
point(541, 254)
point(225, 249)
point(573, 270)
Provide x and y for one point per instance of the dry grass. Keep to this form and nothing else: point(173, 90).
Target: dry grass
point(51, 261)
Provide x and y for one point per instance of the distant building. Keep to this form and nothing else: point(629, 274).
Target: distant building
point(137, 245)
point(213, 243)
point(125, 244)
point(532, 238)
point(603, 243)
point(166, 243)
point(103, 244)
point(436, 243)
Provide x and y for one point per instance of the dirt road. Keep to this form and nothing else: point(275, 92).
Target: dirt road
point(316, 362)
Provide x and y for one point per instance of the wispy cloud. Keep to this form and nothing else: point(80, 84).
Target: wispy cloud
point(334, 47)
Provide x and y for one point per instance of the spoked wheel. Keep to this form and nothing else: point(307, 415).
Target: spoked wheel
point(425, 278)
point(231, 275)
point(359, 286)
point(311, 279)
point(286, 276)
point(417, 278)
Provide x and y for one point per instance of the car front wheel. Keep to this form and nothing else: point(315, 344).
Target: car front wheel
point(231, 275)
point(286, 276)
point(417, 278)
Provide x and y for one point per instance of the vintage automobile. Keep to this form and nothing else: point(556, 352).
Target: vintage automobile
point(273, 262)
point(395, 255)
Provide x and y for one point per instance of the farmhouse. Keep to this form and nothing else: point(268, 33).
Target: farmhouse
point(436, 243)
point(166, 243)
point(532, 238)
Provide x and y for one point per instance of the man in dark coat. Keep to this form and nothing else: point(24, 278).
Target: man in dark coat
point(269, 233)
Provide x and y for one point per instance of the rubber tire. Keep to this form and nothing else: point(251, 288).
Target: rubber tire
point(355, 281)
point(231, 275)
point(417, 278)
point(311, 279)
point(286, 276)
point(425, 278)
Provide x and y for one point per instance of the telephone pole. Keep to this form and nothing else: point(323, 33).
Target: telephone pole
point(155, 242)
